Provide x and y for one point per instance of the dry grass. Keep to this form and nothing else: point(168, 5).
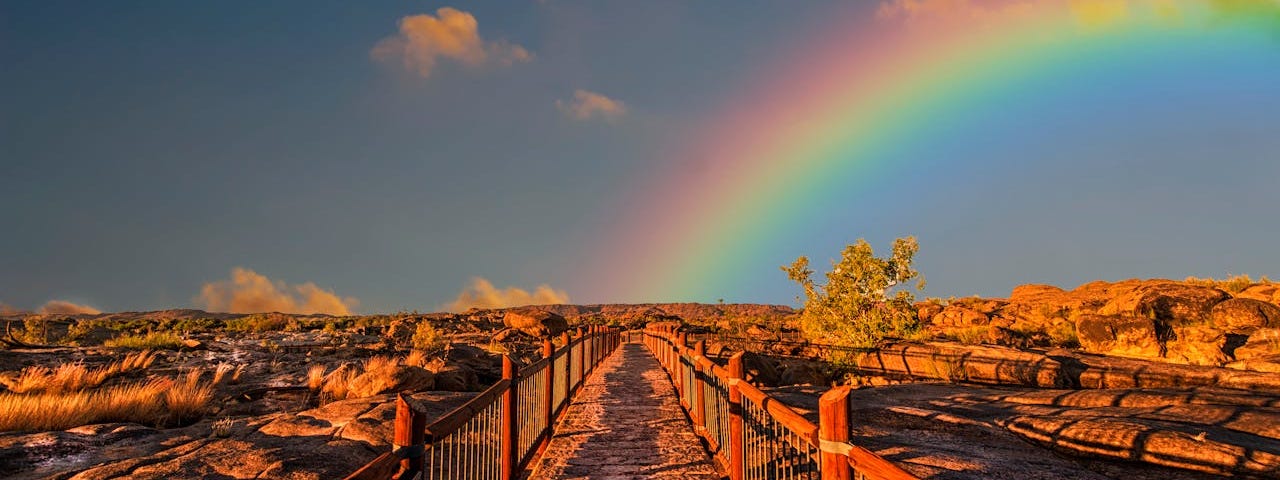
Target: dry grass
point(156, 402)
point(416, 358)
point(315, 377)
point(74, 377)
point(1232, 284)
point(187, 399)
point(221, 371)
point(971, 335)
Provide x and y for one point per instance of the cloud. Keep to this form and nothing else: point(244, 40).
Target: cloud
point(250, 292)
point(452, 34)
point(586, 105)
point(63, 307)
point(482, 294)
point(6, 309)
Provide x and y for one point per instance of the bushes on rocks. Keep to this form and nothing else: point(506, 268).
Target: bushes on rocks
point(856, 306)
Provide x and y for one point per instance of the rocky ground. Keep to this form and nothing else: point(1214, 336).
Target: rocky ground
point(949, 431)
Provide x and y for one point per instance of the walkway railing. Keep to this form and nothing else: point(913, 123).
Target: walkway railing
point(496, 433)
point(756, 436)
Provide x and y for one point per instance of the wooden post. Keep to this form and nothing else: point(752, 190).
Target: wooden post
point(737, 432)
point(410, 436)
point(582, 360)
point(833, 426)
point(548, 403)
point(509, 457)
point(568, 365)
point(699, 393)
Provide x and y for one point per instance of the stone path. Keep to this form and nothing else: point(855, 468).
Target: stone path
point(626, 424)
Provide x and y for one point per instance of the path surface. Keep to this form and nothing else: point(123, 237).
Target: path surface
point(626, 423)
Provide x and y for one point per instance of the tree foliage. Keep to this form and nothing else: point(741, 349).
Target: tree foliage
point(863, 300)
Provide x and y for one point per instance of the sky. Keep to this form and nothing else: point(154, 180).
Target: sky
point(362, 157)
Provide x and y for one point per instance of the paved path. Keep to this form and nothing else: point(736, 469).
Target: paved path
point(626, 424)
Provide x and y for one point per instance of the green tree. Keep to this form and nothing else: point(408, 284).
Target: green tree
point(863, 300)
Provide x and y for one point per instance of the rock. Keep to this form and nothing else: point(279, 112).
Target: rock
point(800, 373)
point(1004, 336)
point(759, 369)
point(968, 363)
point(194, 344)
point(1244, 315)
point(405, 378)
point(927, 310)
point(1268, 364)
point(1035, 293)
point(1263, 342)
point(1267, 292)
point(538, 323)
point(1115, 335)
point(456, 378)
point(1167, 302)
point(1196, 345)
point(958, 316)
point(760, 333)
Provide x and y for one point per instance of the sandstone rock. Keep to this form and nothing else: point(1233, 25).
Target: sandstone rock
point(927, 310)
point(1196, 345)
point(1115, 335)
point(1266, 363)
point(456, 378)
point(538, 323)
point(1035, 293)
point(759, 370)
point(1261, 343)
point(405, 378)
point(967, 363)
point(1267, 292)
point(800, 373)
point(1244, 315)
point(958, 316)
point(1168, 302)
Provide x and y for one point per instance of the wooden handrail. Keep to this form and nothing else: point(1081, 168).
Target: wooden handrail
point(450, 422)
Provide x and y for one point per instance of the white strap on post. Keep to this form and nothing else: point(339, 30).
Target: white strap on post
point(832, 446)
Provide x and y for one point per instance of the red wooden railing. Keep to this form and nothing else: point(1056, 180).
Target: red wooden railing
point(754, 435)
point(496, 433)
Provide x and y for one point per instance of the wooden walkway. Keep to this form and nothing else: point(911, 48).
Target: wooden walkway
point(625, 424)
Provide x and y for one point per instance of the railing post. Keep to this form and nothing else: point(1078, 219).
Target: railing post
point(568, 367)
point(509, 456)
point(582, 360)
point(833, 426)
point(699, 392)
point(549, 390)
point(737, 432)
point(410, 437)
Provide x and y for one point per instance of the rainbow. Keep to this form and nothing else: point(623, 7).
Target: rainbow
point(843, 106)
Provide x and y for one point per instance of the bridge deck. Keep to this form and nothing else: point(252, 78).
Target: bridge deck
point(626, 423)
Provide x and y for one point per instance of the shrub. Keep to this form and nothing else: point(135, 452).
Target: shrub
point(150, 341)
point(1233, 284)
point(427, 339)
point(855, 307)
point(258, 322)
point(971, 335)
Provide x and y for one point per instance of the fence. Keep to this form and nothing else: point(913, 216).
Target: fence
point(756, 436)
point(496, 433)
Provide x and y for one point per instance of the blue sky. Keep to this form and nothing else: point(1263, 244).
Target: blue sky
point(147, 149)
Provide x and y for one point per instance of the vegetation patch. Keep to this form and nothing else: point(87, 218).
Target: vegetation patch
point(150, 341)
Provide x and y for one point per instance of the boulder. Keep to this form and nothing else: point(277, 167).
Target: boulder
point(800, 373)
point(1196, 345)
point(1263, 342)
point(958, 316)
point(1035, 293)
point(403, 378)
point(1167, 302)
point(1116, 335)
point(1244, 315)
point(456, 378)
point(1267, 292)
point(538, 323)
point(926, 310)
